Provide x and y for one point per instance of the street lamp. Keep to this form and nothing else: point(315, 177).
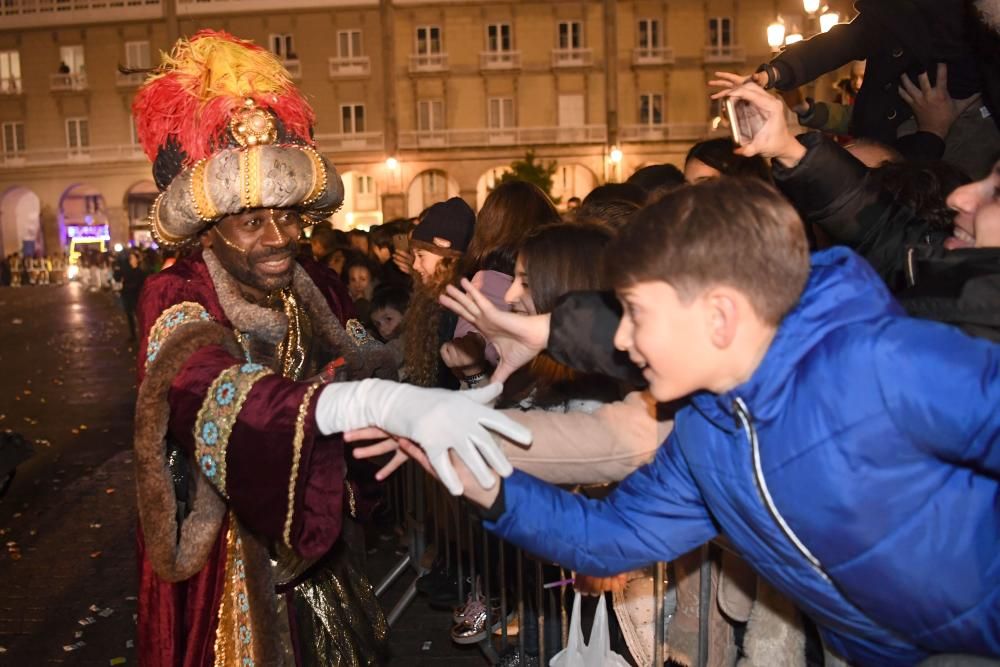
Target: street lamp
point(776, 35)
point(827, 20)
point(794, 37)
point(811, 6)
point(615, 155)
point(392, 164)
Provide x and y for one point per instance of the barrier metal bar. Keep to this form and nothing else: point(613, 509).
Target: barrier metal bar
point(659, 612)
point(704, 604)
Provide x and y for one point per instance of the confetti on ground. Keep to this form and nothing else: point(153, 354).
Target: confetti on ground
point(95, 525)
point(17, 320)
point(94, 608)
point(117, 661)
point(104, 613)
point(129, 643)
point(2, 649)
point(426, 646)
point(95, 554)
point(109, 490)
point(78, 634)
point(87, 621)
point(72, 647)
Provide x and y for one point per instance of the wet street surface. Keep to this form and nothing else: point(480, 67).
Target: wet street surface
point(67, 523)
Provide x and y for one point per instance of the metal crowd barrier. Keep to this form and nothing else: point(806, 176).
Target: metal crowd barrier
point(433, 523)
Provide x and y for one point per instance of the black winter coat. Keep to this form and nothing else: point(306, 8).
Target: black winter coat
point(834, 190)
point(959, 287)
point(896, 37)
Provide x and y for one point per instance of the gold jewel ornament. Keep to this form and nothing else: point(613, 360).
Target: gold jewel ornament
point(252, 125)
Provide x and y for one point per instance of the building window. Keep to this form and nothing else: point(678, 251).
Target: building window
point(651, 109)
point(283, 46)
point(349, 44)
point(352, 118)
point(77, 135)
point(430, 115)
point(720, 32)
point(428, 40)
point(10, 72)
point(501, 112)
point(137, 55)
point(650, 34)
point(570, 35)
point(366, 185)
point(498, 37)
point(71, 60)
point(13, 139)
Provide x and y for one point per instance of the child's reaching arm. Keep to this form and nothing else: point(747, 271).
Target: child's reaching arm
point(656, 514)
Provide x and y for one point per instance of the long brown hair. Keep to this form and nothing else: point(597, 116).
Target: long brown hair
point(564, 258)
point(558, 259)
point(512, 211)
point(421, 324)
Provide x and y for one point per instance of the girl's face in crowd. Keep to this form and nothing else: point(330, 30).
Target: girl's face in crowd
point(696, 171)
point(359, 279)
point(519, 293)
point(387, 321)
point(425, 264)
point(977, 223)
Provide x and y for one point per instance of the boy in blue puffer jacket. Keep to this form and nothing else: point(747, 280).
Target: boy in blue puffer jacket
point(849, 453)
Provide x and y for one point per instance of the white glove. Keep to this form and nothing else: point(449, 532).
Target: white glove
point(435, 419)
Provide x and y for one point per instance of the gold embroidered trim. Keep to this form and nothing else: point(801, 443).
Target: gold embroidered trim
point(319, 176)
point(161, 236)
point(250, 177)
point(168, 322)
point(217, 416)
point(300, 435)
point(233, 634)
point(203, 205)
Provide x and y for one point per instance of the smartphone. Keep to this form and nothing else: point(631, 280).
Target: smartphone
point(745, 120)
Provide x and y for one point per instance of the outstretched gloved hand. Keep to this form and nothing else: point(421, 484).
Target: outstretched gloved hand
point(436, 419)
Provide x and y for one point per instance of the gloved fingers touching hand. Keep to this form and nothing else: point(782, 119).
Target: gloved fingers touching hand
point(491, 452)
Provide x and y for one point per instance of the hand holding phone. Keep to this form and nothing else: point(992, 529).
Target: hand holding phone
point(759, 124)
point(745, 120)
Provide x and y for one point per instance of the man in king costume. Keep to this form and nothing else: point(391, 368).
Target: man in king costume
point(242, 407)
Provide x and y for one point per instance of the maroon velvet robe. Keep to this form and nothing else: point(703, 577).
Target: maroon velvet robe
point(177, 622)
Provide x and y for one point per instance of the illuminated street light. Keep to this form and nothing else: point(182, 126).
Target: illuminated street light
point(828, 20)
point(811, 6)
point(392, 164)
point(776, 35)
point(615, 155)
point(119, 247)
point(794, 37)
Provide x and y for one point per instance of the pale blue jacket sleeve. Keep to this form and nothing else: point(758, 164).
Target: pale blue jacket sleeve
point(942, 389)
point(656, 514)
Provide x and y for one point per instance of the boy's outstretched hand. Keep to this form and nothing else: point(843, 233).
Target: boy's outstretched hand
point(773, 139)
point(405, 450)
point(518, 338)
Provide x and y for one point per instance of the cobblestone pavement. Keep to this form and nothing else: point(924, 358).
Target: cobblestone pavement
point(67, 524)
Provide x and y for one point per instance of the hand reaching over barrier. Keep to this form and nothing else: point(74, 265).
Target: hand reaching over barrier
point(440, 421)
point(518, 338)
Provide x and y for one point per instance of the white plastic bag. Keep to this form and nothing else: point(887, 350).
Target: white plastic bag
point(597, 652)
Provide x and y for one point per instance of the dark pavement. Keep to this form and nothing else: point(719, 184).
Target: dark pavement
point(67, 524)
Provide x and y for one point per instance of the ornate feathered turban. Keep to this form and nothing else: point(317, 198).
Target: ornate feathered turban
point(227, 130)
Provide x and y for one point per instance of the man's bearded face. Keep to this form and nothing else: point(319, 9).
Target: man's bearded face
point(258, 247)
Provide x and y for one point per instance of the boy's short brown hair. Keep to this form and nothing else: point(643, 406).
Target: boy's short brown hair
point(731, 231)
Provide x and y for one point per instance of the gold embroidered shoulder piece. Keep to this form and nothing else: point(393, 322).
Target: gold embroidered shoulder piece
point(217, 416)
point(169, 321)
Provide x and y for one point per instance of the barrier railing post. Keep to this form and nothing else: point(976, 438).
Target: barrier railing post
point(659, 612)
